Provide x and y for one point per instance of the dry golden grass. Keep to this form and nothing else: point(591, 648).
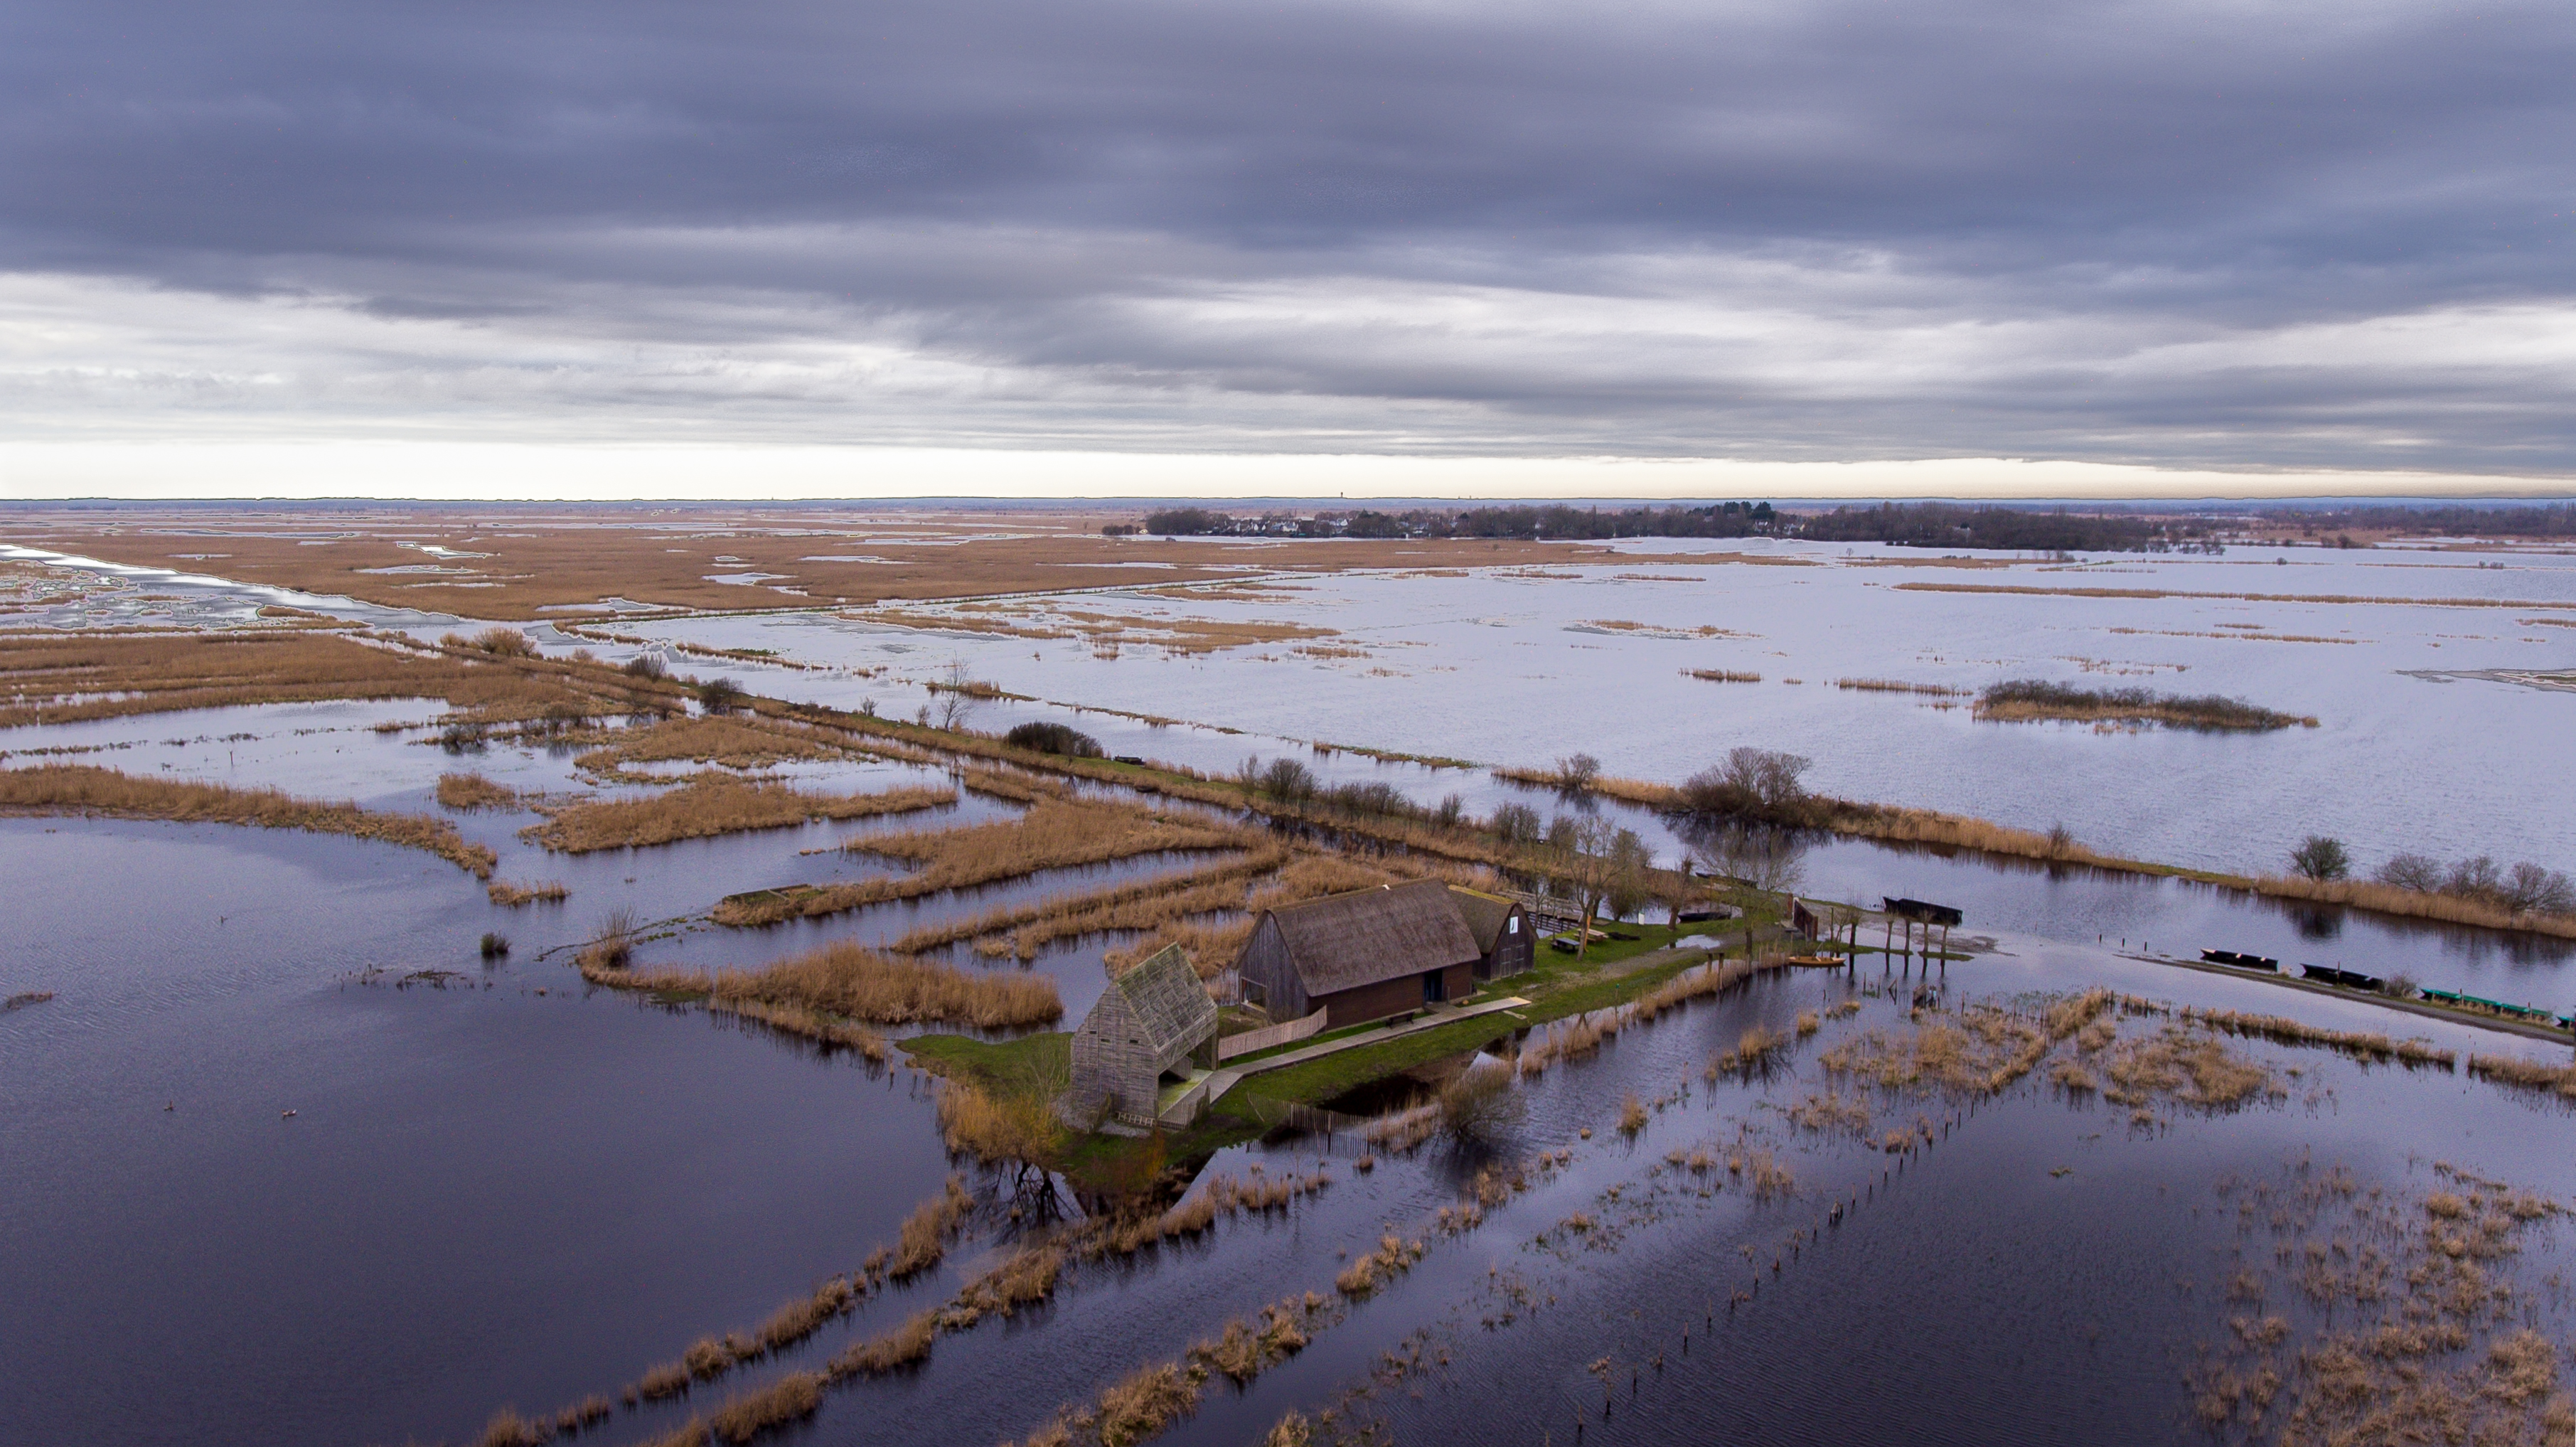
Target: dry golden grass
point(732, 741)
point(1977, 1049)
point(84, 789)
point(907, 1345)
point(2366, 1044)
point(576, 555)
point(1008, 1128)
point(473, 791)
point(1024, 1278)
point(712, 805)
point(2389, 899)
point(810, 1024)
point(2555, 1076)
point(924, 1236)
point(503, 892)
point(1052, 835)
point(68, 678)
point(860, 984)
point(1143, 904)
point(792, 1398)
point(2193, 1068)
point(1144, 1402)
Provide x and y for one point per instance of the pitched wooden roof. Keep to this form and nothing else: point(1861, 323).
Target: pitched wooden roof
point(1484, 914)
point(1342, 941)
point(1163, 997)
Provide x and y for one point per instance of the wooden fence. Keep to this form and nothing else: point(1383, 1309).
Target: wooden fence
point(1268, 1035)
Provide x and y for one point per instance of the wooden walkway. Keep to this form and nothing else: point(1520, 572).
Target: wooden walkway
point(1207, 1089)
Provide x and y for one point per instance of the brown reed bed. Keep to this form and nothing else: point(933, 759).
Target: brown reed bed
point(1020, 1127)
point(809, 1024)
point(730, 740)
point(860, 984)
point(711, 805)
point(469, 792)
point(2556, 1077)
point(792, 1398)
point(75, 677)
point(1721, 675)
point(2184, 1065)
point(1022, 930)
point(1015, 788)
point(2363, 1044)
point(1897, 685)
point(503, 892)
point(1219, 1195)
point(1975, 1050)
point(1052, 835)
point(924, 1236)
point(50, 789)
point(891, 1351)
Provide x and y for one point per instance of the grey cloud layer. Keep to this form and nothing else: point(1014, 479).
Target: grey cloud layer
point(2328, 235)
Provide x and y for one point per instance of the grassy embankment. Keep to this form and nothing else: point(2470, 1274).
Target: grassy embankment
point(712, 805)
point(84, 789)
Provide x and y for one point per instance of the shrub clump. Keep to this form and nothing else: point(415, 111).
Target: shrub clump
point(1054, 738)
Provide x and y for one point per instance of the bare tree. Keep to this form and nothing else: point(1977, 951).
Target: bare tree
point(1575, 773)
point(959, 695)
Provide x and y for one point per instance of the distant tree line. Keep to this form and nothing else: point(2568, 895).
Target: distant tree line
point(1953, 525)
point(2553, 520)
point(1716, 520)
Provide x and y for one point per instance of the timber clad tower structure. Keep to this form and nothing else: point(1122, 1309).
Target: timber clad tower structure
point(1150, 1021)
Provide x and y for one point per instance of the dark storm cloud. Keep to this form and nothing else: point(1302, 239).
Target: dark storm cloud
point(2183, 233)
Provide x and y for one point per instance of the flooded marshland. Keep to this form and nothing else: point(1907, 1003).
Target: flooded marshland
point(285, 1158)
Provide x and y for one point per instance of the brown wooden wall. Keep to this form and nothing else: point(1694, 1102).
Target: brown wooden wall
point(1390, 997)
point(1266, 964)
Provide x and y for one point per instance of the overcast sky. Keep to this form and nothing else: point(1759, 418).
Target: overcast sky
point(2303, 239)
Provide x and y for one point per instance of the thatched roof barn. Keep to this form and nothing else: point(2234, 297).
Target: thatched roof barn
point(1361, 956)
point(1149, 1021)
point(1502, 930)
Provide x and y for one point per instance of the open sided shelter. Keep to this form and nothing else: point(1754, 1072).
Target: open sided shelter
point(1361, 956)
point(1149, 1022)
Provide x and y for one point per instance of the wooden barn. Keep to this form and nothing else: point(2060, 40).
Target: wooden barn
point(1502, 931)
point(1149, 1022)
point(1361, 956)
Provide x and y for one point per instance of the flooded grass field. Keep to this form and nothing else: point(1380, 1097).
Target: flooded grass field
point(287, 1155)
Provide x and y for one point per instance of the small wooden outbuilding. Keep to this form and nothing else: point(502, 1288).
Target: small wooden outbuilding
point(1150, 1021)
point(1502, 931)
point(1361, 956)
